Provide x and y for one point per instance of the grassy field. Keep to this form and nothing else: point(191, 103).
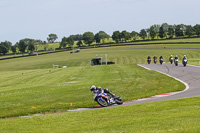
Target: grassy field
point(30, 85)
point(180, 116)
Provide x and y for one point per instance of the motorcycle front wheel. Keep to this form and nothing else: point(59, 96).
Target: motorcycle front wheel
point(119, 101)
point(102, 101)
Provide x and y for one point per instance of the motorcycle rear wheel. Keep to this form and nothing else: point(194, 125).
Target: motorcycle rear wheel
point(102, 101)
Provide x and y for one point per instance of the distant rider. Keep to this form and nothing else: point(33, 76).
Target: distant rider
point(171, 59)
point(184, 57)
point(176, 58)
point(161, 58)
point(155, 59)
point(149, 59)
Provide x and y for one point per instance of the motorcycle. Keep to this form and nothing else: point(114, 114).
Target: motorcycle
point(107, 98)
point(176, 62)
point(171, 60)
point(155, 60)
point(161, 61)
point(149, 61)
point(185, 62)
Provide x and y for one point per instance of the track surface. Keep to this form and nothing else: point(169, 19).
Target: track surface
point(189, 75)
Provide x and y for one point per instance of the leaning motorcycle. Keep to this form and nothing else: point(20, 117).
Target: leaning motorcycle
point(176, 62)
point(107, 99)
point(185, 62)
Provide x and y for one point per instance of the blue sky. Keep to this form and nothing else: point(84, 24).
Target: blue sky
point(36, 19)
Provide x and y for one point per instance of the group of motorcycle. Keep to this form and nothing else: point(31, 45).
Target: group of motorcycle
point(171, 59)
point(176, 59)
point(155, 60)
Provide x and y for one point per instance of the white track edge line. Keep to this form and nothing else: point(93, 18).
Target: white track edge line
point(173, 93)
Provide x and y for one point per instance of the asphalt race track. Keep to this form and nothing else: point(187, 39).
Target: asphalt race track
point(189, 75)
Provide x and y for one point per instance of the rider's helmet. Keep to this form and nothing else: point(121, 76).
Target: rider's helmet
point(184, 56)
point(171, 55)
point(93, 87)
point(106, 90)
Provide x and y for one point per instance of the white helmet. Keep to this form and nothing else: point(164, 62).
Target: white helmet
point(93, 87)
point(184, 55)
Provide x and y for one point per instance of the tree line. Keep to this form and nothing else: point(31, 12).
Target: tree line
point(156, 31)
point(164, 31)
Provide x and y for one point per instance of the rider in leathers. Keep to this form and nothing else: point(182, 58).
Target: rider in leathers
point(95, 90)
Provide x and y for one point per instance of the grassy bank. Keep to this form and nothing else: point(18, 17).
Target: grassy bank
point(34, 91)
point(180, 116)
point(29, 85)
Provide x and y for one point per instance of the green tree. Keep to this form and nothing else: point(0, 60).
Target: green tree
point(97, 38)
point(125, 35)
point(161, 32)
point(197, 29)
point(103, 35)
point(88, 38)
point(70, 41)
point(22, 46)
point(63, 43)
point(52, 38)
point(77, 37)
point(189, 30)
point(31, 47)
point(165, 29)
point(5, 47)
point(152, 32)
point(134, 35)
point(143, 34)
point(116, 36)
point(14, 49)
point(148, 33)
point(179, 31)
point(171, 31)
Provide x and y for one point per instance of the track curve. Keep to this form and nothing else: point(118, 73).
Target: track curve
point(189, 75)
